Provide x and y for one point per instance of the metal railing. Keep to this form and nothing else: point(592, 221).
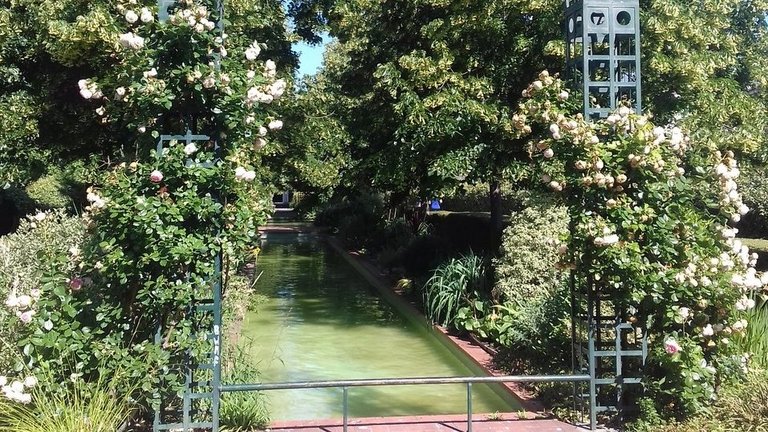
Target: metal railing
point(346, 384)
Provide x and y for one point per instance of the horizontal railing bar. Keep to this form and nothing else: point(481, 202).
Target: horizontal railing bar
point(401, 381)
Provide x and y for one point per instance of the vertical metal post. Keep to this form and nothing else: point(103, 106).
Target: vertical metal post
point(216, 383)
point(592, 374)
point(345, 406)
point(469, 407)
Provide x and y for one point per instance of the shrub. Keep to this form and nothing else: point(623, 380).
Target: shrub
point(754, 187)
point(741, 407)
point(48, 192)
point(25, 256)
point(525, 267)
point(476, 198)
point(453, 285)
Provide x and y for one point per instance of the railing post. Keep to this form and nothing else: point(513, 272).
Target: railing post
point(469, 406)
point(345, 406)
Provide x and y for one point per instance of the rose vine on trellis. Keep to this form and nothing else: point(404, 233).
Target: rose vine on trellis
point(158, 218)
point(649, 215)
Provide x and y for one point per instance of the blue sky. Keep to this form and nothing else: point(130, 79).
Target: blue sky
point(310, 57)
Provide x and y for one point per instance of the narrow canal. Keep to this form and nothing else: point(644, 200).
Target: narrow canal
point(323, 321)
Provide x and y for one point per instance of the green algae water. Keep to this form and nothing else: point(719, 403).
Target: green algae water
point(323, 321)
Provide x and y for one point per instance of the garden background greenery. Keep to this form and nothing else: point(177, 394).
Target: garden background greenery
point(417, 100)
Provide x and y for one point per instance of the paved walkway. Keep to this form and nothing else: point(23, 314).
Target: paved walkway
point(449, 423)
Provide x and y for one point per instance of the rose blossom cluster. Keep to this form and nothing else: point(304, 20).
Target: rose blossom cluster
point(194, 16)
point(95, 200)
point(648, 152)
point(89, 89)
point(131, 40)
point(23, 305)
point(244, 175)
point(727, 172)
point(16, 390)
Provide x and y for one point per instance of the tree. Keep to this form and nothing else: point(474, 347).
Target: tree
point(432, 82)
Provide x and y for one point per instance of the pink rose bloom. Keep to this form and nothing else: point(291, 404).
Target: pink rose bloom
point(75, 284)
point(26, 317)
point(156, 176)
point(671, 346)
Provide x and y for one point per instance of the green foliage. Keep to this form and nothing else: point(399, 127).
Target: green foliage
point(741, 407)
point(754, 185)
point(649, 214)
point(525, 267)
point(454, 284)
point(242, 411)
point(532, 332)
point(358, 218)
point(25, 257)
point(754, 340)
point(48, 192)
point(101, 406)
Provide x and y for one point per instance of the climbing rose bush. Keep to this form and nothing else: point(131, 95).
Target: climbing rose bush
point(157, 220)
point(649, 215)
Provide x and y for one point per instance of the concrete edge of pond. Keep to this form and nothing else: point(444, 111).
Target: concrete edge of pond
point(471, 353)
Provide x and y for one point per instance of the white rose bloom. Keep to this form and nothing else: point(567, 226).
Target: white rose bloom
point(250, 74)
point(251, 53)
point(189, 149)
point(85, 93)
point(743, 209)
point(130, 40)
point(239, 173)
point(684, 312)
point(24, 301)
point(708, 330)
point(275, 125)
point(101, 111)
point(30, 381)
point(131, 16)
point(262, 131)
point(549, 153)
point(146, 15)
point(249, 176)
point(270, 67)
point(152, 73)
point(209, 81)
point(120, 92)
point(277, 88)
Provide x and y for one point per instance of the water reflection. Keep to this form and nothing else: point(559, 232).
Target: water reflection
point(324, 321)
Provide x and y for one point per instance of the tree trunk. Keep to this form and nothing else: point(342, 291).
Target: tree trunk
point(496, 214)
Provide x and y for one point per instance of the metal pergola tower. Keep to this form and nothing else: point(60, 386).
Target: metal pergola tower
point(602, 53)
point(603, 61)
point(198, 405)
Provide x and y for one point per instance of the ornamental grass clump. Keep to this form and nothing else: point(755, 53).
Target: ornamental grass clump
point(454, 285)
point(100, 406)
point(650, 213)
